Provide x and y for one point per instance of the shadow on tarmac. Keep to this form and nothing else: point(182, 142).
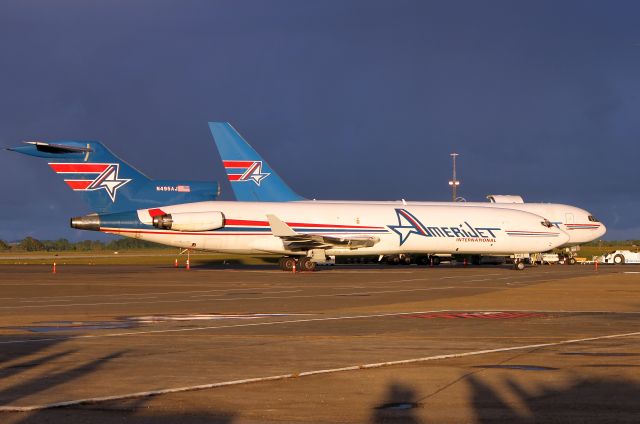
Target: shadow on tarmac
point(31, 364)
point(586, 401)
point(398, 406)
point(44, 372)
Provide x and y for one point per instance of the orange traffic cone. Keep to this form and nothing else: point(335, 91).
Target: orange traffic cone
point(53, 271)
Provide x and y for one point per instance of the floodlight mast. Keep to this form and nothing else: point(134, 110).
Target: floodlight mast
point(454, 183)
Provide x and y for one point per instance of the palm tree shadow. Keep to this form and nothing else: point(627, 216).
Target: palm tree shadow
point(585, 401)
point(36, 385)
point(45, 371)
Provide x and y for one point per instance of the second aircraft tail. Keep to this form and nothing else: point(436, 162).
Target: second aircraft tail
point(250, 176)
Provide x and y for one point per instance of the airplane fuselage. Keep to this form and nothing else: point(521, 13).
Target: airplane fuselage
point(394, 228)
point(578, 223)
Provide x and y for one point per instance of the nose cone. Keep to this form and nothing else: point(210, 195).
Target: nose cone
point(601, 231)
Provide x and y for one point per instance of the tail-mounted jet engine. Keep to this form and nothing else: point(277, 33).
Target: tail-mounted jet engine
point(190, 221)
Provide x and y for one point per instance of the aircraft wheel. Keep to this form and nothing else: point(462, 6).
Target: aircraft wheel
point(519, 265)
point(423, 260)
point(393, 260)
point(406, 260)
point(306, 264)
point(571, 261)
point(618, 259)
point(436, 260)
point(288, 263)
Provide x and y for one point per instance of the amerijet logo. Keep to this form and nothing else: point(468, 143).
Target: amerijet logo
point(245, 170)
point(407, 225)
point(107, 178)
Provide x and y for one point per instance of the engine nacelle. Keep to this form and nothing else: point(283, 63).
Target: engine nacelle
point(190, 221)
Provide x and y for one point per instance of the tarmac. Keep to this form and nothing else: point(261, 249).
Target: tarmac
point(345, 344)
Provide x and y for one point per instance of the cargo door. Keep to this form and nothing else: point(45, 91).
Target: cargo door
point(568, 218)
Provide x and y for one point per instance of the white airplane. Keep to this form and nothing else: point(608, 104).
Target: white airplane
point(252, 179)
point(308, 232)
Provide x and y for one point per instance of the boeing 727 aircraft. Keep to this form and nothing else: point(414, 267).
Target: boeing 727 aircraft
point(302, 232)
point(307, 232)
point(252, 179)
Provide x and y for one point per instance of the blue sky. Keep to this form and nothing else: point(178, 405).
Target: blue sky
point(346, 99)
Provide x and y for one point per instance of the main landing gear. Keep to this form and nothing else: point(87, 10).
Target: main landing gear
point(518, 264)
point(302, 264)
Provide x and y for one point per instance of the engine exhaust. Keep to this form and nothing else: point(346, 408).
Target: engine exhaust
point(89, 222)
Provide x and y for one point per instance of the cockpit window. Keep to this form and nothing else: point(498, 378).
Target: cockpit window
point(593, 218)
point(546, 223)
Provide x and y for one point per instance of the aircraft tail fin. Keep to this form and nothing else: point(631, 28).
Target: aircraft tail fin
point(250, 176)
point(108, 183)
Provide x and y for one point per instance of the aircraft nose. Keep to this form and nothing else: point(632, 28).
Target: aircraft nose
point(601, 231)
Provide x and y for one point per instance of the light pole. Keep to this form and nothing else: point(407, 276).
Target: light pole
point(454, 183)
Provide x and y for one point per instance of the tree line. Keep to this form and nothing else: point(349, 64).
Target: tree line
point(31, 244)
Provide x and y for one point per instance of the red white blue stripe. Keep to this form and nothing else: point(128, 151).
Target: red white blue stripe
point(524, 233)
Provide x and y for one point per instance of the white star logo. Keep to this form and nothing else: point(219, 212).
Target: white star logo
point(109, 181)
point(254, 173)
point(407, 225)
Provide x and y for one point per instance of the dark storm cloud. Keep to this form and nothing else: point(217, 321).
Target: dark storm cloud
point(349, 100)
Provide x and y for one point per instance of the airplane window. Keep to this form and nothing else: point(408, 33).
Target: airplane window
point(546, 223)
point(593, 218)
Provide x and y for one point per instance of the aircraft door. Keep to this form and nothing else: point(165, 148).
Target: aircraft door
point(568, 218)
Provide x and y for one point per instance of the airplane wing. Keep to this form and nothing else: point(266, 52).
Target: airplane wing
point(302, 241)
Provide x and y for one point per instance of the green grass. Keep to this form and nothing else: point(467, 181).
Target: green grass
point(167, 256)
point(130, 257)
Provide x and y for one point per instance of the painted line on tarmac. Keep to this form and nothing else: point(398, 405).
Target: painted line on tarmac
point(64, 305)
point(9, 408)
point(285, 322)
point(45, 298)
point(269, 287)
point(214, 327)
point(234, 293)
point(271, 323)
point(565, 311)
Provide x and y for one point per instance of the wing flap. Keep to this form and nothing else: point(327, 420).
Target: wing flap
point(303, 241)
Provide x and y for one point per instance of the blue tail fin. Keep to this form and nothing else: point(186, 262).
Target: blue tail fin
point(250, 176)
point(109, 184)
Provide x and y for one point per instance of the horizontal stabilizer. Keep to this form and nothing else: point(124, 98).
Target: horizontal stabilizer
point(57, 148)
